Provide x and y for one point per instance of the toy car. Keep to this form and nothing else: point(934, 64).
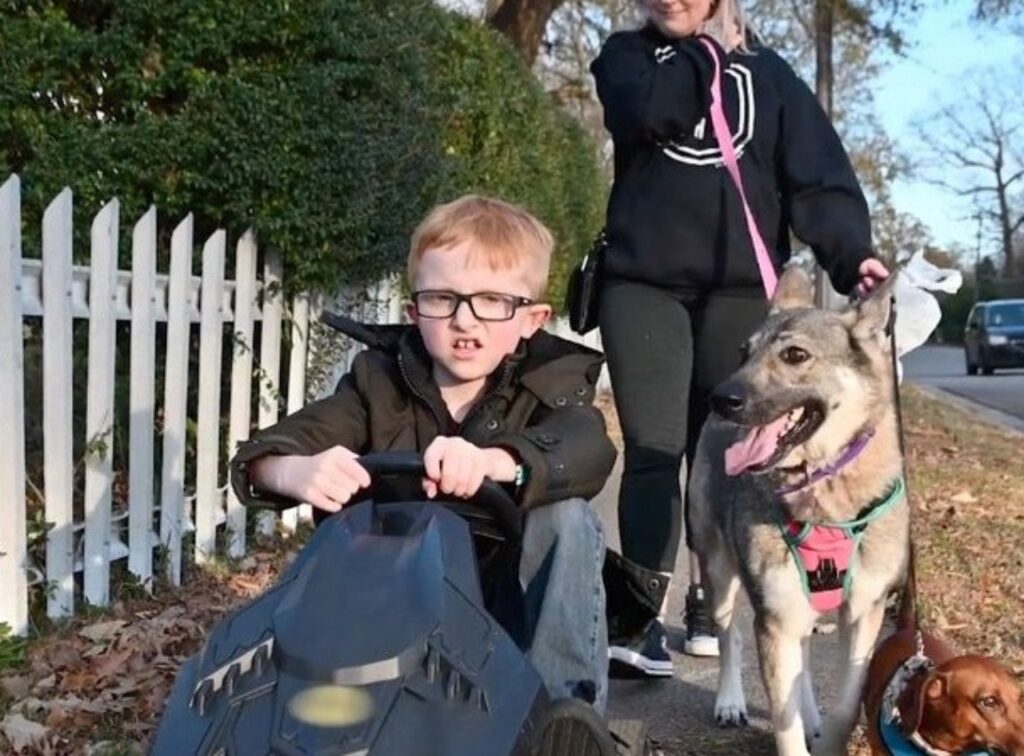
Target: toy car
point(376, 641)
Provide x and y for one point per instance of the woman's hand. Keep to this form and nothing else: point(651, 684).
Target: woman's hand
point(871, 273)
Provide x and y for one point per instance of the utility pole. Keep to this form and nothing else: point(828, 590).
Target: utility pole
point(824, 30)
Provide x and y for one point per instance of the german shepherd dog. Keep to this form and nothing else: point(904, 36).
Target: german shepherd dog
point(803, 440)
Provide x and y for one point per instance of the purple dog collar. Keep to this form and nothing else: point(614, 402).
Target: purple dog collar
point(850, 453)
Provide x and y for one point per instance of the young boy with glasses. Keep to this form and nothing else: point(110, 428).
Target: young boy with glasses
point(481, 391)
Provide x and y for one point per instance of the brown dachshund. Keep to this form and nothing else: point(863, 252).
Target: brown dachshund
point(965, 704)
point(948, 704)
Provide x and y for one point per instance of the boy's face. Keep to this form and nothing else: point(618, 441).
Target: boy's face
point(465, 348)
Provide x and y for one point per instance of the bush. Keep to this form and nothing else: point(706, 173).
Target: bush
point(505, 136)
point(330, 126)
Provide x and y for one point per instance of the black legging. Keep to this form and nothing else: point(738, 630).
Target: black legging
point(666, 351)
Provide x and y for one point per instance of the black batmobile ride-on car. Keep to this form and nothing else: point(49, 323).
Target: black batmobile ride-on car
point(376, 640)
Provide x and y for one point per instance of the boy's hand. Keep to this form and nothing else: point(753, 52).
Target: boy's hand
point(456, 467)
point(327, 480)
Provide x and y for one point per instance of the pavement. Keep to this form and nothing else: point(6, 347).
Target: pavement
point(679, 710)
point(997, 398)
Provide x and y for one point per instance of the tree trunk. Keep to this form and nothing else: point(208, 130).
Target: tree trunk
point(491, 7)
point(523, 22)
point(824, 29)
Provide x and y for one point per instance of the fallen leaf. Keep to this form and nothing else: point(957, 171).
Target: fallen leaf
point(74, 702)
point(102, 631)
point(22, 733)
point(78, 681)
point(58, 655)
point(16, 686)
point(964, 497)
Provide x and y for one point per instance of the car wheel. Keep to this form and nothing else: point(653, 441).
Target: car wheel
point(987, 370)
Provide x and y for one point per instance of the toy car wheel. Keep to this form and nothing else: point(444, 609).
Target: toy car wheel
point(573, 728)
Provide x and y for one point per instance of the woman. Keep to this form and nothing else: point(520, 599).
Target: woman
point(682, 291)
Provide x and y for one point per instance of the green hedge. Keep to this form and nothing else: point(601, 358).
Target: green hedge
point(330, 126)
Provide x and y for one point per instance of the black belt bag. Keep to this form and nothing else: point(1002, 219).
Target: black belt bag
point(583, 291)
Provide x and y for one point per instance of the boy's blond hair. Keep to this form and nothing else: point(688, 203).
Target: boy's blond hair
point(505, 235)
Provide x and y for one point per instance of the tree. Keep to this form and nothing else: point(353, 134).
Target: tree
point(863, 37)
point(571, 42)
point(329, 126)
point(995, 9)
point(523, 22)
point(986, 152)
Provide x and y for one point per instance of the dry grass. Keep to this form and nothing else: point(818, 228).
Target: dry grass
point(967, 490)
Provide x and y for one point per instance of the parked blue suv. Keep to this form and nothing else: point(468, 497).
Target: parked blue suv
point(994, 337)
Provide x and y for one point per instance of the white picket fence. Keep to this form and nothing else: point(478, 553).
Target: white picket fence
point(55, 291)
point(161, 505)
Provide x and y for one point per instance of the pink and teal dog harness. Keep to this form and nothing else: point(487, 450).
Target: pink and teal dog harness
point(826, 553)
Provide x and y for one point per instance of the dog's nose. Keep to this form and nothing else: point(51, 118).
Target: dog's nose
point(729, 398)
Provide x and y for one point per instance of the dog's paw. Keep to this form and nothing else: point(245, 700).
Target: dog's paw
point(730, 712)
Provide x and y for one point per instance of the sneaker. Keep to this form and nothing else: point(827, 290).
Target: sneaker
point(645, 656)
point(701, 632)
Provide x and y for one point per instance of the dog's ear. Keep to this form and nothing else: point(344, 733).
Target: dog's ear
point(869, 318)
point(912, 702)
point(936, 686)
point(794, 290)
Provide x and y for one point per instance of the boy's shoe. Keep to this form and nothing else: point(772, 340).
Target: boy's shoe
point(645, 656)
point(701, 631)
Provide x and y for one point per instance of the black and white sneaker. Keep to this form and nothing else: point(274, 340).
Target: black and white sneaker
point(645, 656)
point(701, 631)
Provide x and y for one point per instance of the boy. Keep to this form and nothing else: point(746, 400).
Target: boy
point(482, 392)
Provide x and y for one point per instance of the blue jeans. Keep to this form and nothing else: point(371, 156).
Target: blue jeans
point(560, 573)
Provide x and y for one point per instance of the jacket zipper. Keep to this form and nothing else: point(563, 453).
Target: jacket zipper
point(487, 397)
point(418, 394)
point(476, 407)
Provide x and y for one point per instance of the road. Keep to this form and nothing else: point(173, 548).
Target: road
point(942, 368)
point(680, 710)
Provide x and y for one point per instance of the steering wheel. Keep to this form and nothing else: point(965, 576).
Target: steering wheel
point(408, 468)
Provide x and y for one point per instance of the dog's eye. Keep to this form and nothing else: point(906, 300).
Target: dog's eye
point(794, 355)
point(744, 352)
point(989, 702)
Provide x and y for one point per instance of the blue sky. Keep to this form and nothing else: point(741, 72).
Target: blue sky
point(944, 45)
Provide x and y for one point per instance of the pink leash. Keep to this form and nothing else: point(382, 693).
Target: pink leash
point(724, 138)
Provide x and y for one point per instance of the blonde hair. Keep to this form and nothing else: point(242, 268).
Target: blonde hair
point(505, 235)
point(728, 15)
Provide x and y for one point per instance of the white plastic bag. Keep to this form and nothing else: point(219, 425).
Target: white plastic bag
point(917, 310)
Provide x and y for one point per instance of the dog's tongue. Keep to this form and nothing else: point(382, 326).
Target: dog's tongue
point(754, 448)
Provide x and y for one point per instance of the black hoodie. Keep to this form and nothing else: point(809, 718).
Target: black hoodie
point(674, 216)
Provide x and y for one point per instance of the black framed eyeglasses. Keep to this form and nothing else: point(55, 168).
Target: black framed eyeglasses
point(485, 305)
